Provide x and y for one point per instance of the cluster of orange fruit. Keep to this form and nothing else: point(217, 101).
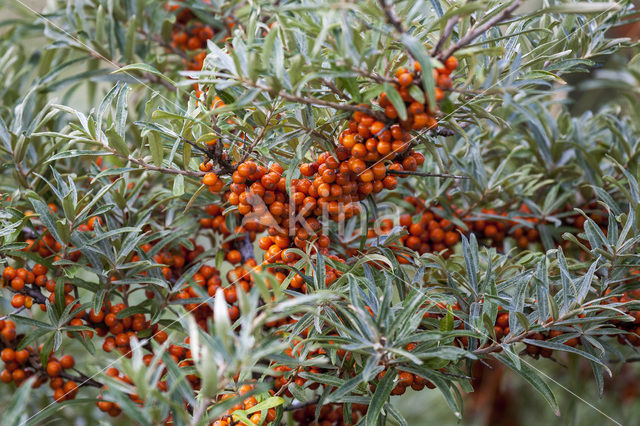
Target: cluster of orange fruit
point(122, 329)
point(330, 415)
point(404, 380)
point(632, 328)
point(21, 364)
point(427, 231)
point(248, 402)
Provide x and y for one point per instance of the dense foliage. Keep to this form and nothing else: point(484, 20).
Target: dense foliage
point(232, 212)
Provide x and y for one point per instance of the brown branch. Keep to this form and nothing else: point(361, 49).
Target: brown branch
point(373, 76)
point(166, 170)
point(263, 132)
point(392, 18)
point(448, 29)
point(81, 379)
point(378, 115)
point(331, 85)
point(475, 32)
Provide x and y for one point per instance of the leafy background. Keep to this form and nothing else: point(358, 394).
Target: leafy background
point(588, 110)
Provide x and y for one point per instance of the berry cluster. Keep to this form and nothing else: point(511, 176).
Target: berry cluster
point(190, 36)
point(632, 336)
point(21, 364)
point(330, 415)
point(427, 231)
point(247, 403)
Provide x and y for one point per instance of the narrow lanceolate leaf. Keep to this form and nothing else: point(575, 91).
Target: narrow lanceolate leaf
point(116, 142)
point(534, 378)
point(155, 146)
point(420, 54)
point(129, 70)
point(14, 414)
point(381, 396)
point(396, 101)
point(582, 7)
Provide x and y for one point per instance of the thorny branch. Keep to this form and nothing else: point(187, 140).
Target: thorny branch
point(378, 115)
point(478, 30)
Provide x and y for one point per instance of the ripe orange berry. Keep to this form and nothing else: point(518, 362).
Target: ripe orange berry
point(436, 235)
point(307, 169)
point(210, 179)
point(8, 355)
point(405, 79)
point(451, 238)
point(17, 301)
point(359, 150)
point(59, 395)
point(376, 127)
point(22, 356)
point(390, 182)
point(358, 166)
point(17, 284)
point(53, 368)
point(451, 63)
point(67, 362)
point(390, 112)
point(234, 257)
point(9, 273)
point(39, 269)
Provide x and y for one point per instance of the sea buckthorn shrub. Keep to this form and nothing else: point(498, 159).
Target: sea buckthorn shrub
point(265, 213)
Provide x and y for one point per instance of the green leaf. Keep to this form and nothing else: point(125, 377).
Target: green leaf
point(381, 396)
point(581, 7)
point(534, 378)
point(116, 142)
point(422, 56)
point(446, 323)
point(14, 413)
point(143, 68)
point(178, 185)
point(271, 402)
point(130, 43)
point(396, 100)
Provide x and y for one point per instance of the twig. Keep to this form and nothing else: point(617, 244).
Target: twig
point(81, 379)
point(294, 407)
point(195, 145)
point(331, 85)
point(378, 115)
point(17, 311)
point(263, 132)
point(391, 16)
point(475, 32)
point(440, 175)
point(443, 131)
point(448, 29)
point(370, 74)
point(148, 166)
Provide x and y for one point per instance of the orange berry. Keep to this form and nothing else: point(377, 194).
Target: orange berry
point(67, 362)
point(53, 368)
point(405, 79)
point(17, 301)
point(17, 284)
point(234, 257)
point(210, 179)
point(9, 273)
point(390, 182)
point(8, 355)
point(451, 63)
